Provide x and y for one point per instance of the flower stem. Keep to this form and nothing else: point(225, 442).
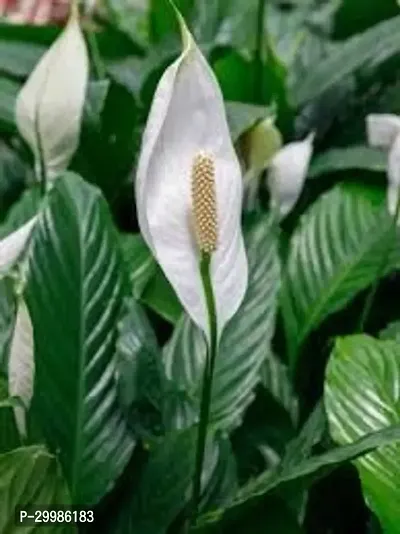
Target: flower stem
point(207, 381)
point(99, 68)
point(371, 295)
point(258, 55)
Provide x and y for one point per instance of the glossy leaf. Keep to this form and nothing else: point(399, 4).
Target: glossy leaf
point(149, 284)
point(342, 159)
point(370, 48)
point(163, 487)
point(276, 380)
point(362, 395)
point(28, 476)
point(245, 343)
point(74, 295)
point(302, 473)
point(336, 251)
point(140, 372)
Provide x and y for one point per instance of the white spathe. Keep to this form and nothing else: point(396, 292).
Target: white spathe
point(50, 105)
point(383, 131)
point(188, 117)
point(287, 174)
point(21, 365)
point(12, 246)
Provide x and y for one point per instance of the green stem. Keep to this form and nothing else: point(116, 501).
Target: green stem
point(258, 55)
point(371, 295)
point(207, 381)
point(98, 64)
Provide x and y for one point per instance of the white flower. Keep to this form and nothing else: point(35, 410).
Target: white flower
point(49, 106)
point(12, 246)
point(383, 131)
point(287, 174)
point(21, 365)
point(189, 187)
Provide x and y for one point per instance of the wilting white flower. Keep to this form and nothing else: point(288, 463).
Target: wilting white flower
point(287, 174)
point(49, 106)
point(189, 187)
point(383, 131)
point(21, 365)
point(12, 246)
point(263, 141)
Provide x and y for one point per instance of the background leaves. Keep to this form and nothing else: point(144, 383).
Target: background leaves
point(362, 396)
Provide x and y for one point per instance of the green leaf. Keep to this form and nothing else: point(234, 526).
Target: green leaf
point(362, 395)
point(139, 261)
point(13, 176)
point(242, 116)
point(336, 251)
point(30, 476)
point(342, 159)
point(163, 18)
point(276, 380)
point(245, 342)
point(301, 446)
point(24, 209)
point(7, 316)
point(163, 487)
point(18, 58)
point(303, 473)
point(148, 281)
point(9, 435)
point(8, 94)
point(270, 515)
point(108, 139)
point(141, 378)
point(74, 294)
point(370, 48)
point(161, 298)
point(354, 16)
point(223, 482)
point(392, 331)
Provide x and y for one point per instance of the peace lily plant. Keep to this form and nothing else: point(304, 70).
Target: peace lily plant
point(189, 198)
point(50, 105)
point(49, 111)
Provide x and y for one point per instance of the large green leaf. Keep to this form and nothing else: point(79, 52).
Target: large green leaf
point(74, 295)
point(336, 251)
point(163, 487)
point(303, 473)
point(354, 157)
point(30, 476)
point(245, 342)
point(362, 395)
point(371, 48)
